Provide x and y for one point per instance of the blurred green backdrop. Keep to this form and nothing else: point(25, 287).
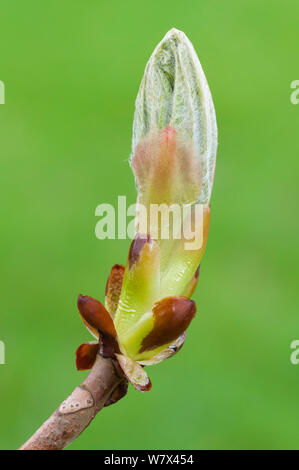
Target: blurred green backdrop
point(72, 71)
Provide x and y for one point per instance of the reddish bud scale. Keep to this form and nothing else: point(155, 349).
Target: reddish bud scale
point(115, 277)
point(86, 355)
point(172, 317)
point(136, 247)
point(113, 288)
point(135, 373)
point(95, 314)
point(193, 283)
point(118, 393)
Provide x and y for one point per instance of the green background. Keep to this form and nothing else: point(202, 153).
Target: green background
point(72, 71)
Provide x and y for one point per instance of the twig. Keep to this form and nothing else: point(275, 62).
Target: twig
point(79, 409)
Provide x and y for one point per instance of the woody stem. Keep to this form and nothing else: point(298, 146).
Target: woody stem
point(79, 409)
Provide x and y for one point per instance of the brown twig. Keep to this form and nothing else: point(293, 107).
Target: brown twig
point(79, 409)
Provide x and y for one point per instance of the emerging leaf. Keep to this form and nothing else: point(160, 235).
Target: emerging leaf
point(140, 290)
point(174, 92)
